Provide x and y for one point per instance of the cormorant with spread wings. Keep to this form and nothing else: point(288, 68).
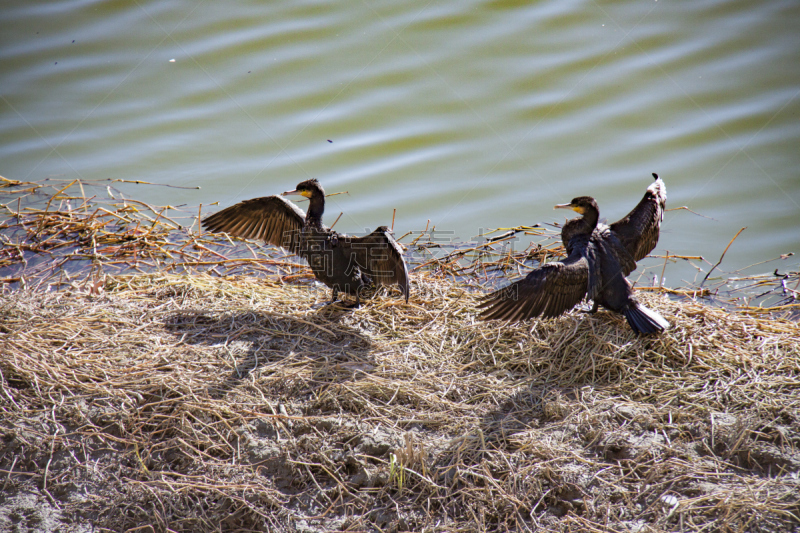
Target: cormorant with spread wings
point(342, 262)
point(599, 256)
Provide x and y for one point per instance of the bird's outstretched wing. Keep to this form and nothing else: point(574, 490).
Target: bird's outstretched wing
point(638, 230)
point(272, 219)
point(380, 257)
point(547, 291)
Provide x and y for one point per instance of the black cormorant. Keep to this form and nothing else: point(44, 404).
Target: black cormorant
point(342, 262)
point(599, 256)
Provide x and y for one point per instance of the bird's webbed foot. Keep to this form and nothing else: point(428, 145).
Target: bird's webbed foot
point(333, 301)
point(351, 305)
point(341, 302)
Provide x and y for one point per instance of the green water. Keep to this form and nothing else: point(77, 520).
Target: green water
point(468, 114)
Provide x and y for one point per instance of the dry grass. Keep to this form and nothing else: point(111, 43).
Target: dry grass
point(181, 401)
point(192, 402)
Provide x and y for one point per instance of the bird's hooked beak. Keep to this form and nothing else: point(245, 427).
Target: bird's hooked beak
point(295, 191)
point(575, 208)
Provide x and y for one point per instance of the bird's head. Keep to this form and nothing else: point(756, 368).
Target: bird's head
point(581, 204)
point(307, 188)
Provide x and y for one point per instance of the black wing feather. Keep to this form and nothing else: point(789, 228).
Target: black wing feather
point(547, 291)
point(639, 230)
point(380, 257)
point(272, 219)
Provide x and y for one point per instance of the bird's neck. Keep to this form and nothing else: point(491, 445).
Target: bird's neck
point(583, 225)
point(590, 218)
point(316, 207)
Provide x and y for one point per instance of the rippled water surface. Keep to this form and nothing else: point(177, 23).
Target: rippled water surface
point(470, 114)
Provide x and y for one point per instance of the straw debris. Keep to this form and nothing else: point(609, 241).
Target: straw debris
point(189, 401)
point(197, 402)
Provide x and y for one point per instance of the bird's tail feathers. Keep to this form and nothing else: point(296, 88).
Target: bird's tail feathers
point(644, 321)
